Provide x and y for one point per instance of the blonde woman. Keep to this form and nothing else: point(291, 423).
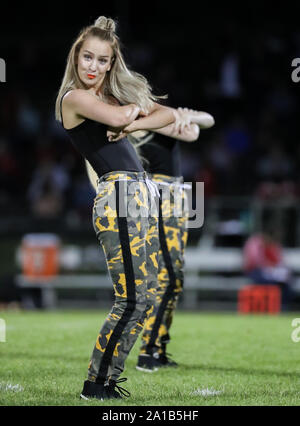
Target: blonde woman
point(100, 100)
point(160, 152)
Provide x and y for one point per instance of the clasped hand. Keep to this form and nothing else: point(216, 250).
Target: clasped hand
point(116, 133)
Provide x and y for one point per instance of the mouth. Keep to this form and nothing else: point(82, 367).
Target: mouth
point(91, 76)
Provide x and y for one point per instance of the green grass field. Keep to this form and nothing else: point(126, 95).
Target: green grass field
point(224, 359)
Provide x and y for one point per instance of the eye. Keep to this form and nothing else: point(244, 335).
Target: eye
point(103, 61)
point(86, 56)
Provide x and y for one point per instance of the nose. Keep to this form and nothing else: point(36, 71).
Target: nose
point(93, 65)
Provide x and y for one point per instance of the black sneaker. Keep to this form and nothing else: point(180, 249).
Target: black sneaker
point(94, 390)
point(148, 363)
point(111, 391)
point(166, 361)
point(164, 356)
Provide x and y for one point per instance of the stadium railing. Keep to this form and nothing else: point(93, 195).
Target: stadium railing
point(215, 269)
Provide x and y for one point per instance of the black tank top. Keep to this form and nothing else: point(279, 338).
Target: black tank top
point(163, 155)
point(90, 139)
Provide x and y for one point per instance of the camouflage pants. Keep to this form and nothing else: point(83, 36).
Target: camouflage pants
point(173, 216)
point(127, 227)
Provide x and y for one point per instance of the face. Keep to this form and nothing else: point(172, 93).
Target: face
point(94, 61)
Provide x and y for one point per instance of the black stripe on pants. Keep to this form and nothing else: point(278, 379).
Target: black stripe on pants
point(130, 287)
point(172, 281)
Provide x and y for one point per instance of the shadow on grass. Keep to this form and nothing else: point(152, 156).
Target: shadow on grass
point(131, 364)
point(241, 370)
point(44, 356)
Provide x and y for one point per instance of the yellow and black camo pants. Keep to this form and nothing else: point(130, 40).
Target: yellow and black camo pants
point(126, 225)
point(173, 216)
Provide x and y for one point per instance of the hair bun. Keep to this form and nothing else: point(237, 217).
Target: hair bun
point(106, 24)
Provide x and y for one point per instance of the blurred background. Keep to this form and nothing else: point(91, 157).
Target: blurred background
point(231, 61)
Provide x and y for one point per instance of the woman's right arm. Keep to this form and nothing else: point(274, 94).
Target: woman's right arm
point(85, 105)
point(202, 118)
point(187, 124)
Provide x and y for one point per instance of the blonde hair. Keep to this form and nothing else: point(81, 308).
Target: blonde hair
point(92, 175)
point(125, 85)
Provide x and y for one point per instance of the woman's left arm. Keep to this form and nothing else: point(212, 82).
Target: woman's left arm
point(159, 116)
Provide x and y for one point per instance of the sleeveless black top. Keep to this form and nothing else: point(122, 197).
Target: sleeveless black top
point(163, 155)
point(90, 139)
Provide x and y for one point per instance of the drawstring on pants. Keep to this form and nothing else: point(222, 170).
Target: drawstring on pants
point(152, 187)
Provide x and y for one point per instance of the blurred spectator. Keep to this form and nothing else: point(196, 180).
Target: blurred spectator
point(263, 262)
point(48, 204)
point(239, 73)
point(282, 102)
point(270, 191)
point(230, 85)
point(237, 137)
point(8, 166)
point(189, 163)
point(222, 165)
point(28, 118)
point(10, 293)
point(275, 171)
point(47, 188)
point(82, 196)
point(207, 175)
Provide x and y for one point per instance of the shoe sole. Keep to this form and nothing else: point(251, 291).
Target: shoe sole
point(145, 370)
point(87, 399)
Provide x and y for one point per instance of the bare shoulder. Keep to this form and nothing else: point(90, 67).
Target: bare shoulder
point(70, 103)
point(76, 95)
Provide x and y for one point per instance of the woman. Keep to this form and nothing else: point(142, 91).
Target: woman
point(99, 101)
point(160, 152)
point(162, 157)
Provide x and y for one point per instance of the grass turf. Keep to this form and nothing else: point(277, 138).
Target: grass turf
point(224, 359)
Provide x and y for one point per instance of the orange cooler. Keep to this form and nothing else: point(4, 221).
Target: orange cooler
point(40, 255)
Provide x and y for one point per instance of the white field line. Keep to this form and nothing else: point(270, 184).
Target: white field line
point(206, 392)
point(6, 387)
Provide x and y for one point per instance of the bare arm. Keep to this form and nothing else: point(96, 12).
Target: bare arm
point(187, 125)
point(182, 129)
point(203, 119)
point(83, 104)
point(159, 116)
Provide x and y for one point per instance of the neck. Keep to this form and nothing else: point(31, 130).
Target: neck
point(98, 89)
point(97, 93)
